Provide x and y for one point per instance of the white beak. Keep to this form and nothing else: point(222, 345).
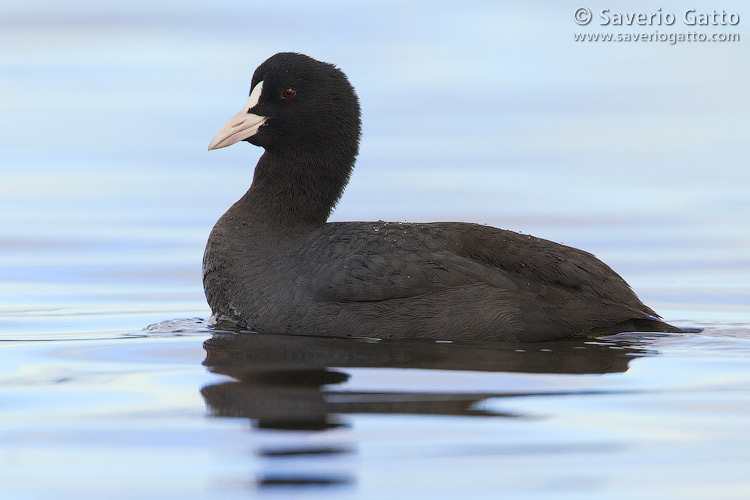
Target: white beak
point(242, 125)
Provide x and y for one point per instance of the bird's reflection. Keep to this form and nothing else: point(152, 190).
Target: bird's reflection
point(284, 382)
point(299, 383)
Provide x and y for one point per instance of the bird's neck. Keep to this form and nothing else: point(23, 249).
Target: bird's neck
point(292, 190)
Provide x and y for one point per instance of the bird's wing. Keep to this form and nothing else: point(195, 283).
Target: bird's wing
point(366, 262)
point(541, 261)
point(361, 262)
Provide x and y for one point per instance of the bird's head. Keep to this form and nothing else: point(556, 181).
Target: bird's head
point(296, 102)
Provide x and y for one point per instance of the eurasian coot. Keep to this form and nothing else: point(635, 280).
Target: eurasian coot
point(273, 264)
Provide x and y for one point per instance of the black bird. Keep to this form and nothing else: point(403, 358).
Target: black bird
point(272, 263)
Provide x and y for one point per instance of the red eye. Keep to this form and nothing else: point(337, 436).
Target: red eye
point(289, 93)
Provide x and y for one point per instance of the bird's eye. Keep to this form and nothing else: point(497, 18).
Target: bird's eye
point(289, 93)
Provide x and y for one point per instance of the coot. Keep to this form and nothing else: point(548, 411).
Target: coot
point(273, 264)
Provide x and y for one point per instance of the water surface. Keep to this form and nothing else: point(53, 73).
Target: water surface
point(238, 415)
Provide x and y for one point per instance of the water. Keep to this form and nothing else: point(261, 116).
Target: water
point(481, 112)
point(654, 416)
